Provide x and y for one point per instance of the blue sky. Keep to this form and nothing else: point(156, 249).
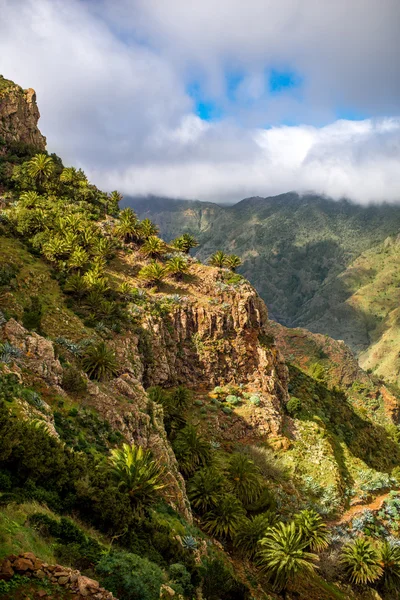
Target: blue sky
point(215, 101)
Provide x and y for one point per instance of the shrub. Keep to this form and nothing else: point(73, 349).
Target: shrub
point(293, 406)
point(32, 317)
point(283, 556)
point(191, 450)
point(219, 582)
point(100, 362)
point(313, 530)
point(390, 561)
point(233, 400)
point(205, 489)
point(130, 577)
point(243, 478)
point(72, 380)
point(251, 531)
point(137, 473)
point(361, 561)
point(225, 518)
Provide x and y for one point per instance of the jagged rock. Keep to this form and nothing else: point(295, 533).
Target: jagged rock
point(87, 586)
point(6, 570)
point(23, 564)
point(19, 115)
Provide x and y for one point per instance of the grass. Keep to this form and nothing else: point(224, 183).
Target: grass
point(17, 536)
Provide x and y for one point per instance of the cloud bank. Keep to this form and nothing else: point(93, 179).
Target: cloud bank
point(113, 81)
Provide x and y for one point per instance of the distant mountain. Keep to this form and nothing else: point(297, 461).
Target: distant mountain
point(299, 252)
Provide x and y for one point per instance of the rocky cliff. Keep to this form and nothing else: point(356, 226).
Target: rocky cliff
point(19, 116)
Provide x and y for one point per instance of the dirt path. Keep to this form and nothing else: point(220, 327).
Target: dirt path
point(374, 505)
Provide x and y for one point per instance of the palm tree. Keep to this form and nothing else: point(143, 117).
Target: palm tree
point(55, 248)
point(102, 246)
point(100, 362)
point(154, 247)
point(185, 243)
point(95, 281)
point(205, 489)
point(313, 529)
point(251, 531)
point(191, 450)
point(225, 518)
point(136, 472)
point(114, 200)
point(218, 259)
point(154, 273)
point(177, 266)
point(244, 478)
point(361, 561)
point(148, 228)
point(128, 226)
point(232, 262)
point(389, 555)
point(40, 167)
point(283, 556)
point(180, 397)
point(69, 175)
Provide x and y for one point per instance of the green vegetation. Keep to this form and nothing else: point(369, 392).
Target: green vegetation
point(361, 561)
point(99, 362)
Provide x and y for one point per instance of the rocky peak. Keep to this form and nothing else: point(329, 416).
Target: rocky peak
point(19, 116)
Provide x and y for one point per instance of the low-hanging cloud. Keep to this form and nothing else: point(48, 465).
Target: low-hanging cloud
point(112, 80)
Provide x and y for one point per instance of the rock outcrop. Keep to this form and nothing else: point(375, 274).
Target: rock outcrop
point(19, 116)
point(29, 565)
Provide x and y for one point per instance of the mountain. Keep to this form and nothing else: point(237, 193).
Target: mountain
point(301, 253)
point(156, 425)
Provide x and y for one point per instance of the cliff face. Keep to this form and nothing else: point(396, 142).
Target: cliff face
point(19, 116)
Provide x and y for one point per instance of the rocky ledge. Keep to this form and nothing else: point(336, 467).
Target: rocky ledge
point(29, 565)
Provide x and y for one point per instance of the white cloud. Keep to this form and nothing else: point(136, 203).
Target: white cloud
point(111, 80)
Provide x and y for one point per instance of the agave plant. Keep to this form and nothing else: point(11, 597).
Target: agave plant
point(313, 529)
point(283, 556)
point(191, 450)
point(177, 267)
point(205, 489)
point(243, 478)
point(136, 472)
point(154, 273)
point(8, 352)
point(225, 518)
point(189, 543)
point(251, 531)
point(99, 362)
point(389, 555)
point(361, 561)
point(218, 259)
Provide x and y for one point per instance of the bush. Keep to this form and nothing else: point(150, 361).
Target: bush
point(72, 380)
point(293, 406)
point(130, 577)
point(32, 317)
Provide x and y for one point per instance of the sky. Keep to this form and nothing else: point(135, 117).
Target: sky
point(215, 99)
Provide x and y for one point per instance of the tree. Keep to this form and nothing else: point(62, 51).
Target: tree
point(205, 489)
point(154, 273)
point(283, 556)
point(128, 226)
point(225, 518)
point(251, 531)
point(313, 529)
point(361, 561)
point(389, 555)
point(232, 262)
point(154, 247)
point(100, 362)
point(30, 199)
point(137, 473)
point(40, 167)
point(185, 243)
point(218, 259)
point(114, 199)
point(243, 478)
point(191, 450)
point(177, 267)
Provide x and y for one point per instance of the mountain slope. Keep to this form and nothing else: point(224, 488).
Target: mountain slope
point(295, 250)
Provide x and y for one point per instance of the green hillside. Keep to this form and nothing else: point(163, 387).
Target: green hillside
point(295, 251)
